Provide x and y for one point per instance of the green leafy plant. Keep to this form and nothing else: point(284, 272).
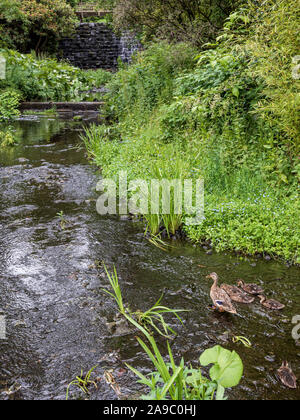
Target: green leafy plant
point(227, 368)
point(7, 139)
point(82, 382)
point(240, 339)
point(197, 22)
point(170, 381)
point(44, 78)
point(117, 294)
point(35, 24)
point(63, 221)
point(150, 320)
point(9, 104)
point(97, 78)
point(153, 316)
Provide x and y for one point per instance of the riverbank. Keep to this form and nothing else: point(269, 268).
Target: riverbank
point(172, 118)
point(261, 223)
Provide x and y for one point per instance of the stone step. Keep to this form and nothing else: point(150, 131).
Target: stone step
point(61, 106)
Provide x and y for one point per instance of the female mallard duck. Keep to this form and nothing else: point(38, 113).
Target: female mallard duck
point(252, 289)
point(271, 303)
point(287, 376)
point(237, 295)
point(220, 298)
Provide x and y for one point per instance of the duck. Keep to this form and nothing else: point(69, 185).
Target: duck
point(271, 303)
point(237, 295)
point(287, 376)
point(220, 298)
point(252, 289)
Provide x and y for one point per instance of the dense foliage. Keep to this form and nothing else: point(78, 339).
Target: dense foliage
point(34, 24)
point(194, 21)
point(274, 42)
point(217, 117)
point(9, 103)
point(47, 79)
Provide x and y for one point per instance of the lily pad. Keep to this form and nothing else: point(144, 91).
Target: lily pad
point(228, 367)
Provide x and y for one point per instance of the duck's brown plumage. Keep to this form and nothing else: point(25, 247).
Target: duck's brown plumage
point(237, 295)
point(220, 298)
point(287, 376)
point(271, 303)
point(252, 289)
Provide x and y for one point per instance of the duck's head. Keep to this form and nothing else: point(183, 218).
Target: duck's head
point(285, 365)
point(240, 283)
point(213, 276)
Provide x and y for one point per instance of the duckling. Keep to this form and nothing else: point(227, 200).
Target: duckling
point(271, 303)
point(252, 289)
point(237, 295)
point(220, 298)
point(287, 376)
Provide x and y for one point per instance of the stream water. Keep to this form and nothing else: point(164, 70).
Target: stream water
point(50, 283)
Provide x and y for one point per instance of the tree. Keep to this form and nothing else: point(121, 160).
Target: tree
point(196, 21)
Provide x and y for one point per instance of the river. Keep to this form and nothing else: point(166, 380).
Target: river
point(51, 281)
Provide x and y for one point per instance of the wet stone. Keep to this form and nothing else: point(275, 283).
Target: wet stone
point(270, 358)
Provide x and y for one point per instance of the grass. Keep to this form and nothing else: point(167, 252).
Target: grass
point(162, 171)
point(117, 294)
point(244, 340)
point(151, 320)
point(63, 221)
point(158, 242)
point(82, 382)
point(153, 316)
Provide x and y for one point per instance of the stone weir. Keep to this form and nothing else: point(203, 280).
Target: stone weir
point(95, 45)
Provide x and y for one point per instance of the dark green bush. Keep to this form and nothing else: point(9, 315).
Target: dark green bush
point(44, 79)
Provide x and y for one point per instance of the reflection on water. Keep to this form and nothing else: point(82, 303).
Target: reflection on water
point(50, 284)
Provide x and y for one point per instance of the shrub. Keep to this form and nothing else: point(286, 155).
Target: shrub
point(34, 24)
point(43, 79)
point(7, 139)
point(9, 104)
point(96, 78)
point(149, 80)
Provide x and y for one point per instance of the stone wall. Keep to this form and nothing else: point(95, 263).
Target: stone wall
point(95, 45)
